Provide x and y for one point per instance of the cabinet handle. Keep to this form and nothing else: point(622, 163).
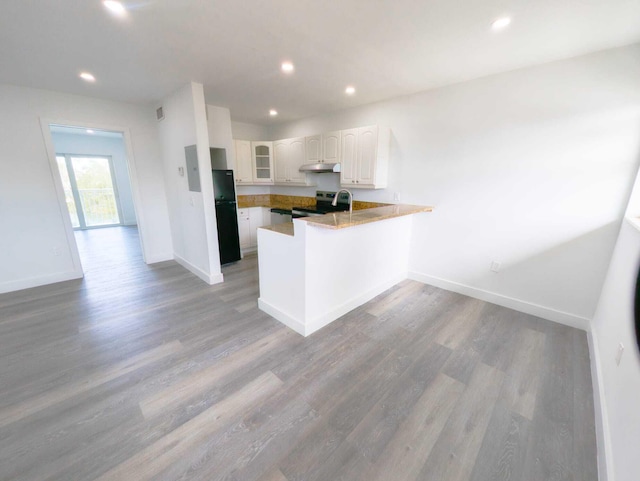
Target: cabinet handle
point(357, 181)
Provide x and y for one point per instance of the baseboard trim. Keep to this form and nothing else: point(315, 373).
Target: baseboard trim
point(330, 316)
point(603, 435)
point(554, 315)
point(39, 281)
point(208, 278)
point(306, 328)
point(281, 316)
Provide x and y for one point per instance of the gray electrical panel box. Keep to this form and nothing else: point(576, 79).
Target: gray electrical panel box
point(193, 173)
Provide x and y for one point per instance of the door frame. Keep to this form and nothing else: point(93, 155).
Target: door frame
point(45, 124)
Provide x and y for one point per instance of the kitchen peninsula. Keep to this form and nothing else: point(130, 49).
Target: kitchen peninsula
point(316, 269)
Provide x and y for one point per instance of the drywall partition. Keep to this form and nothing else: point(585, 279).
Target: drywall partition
point(530, 168)
point(193, 222)
point(96, 144)
point(220, 136)
point(36, 242)
point(617, 387)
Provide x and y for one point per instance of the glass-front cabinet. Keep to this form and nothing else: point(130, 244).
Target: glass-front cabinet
point(262, 156)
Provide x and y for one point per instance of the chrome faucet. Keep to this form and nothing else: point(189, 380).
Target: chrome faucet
point(334, 202)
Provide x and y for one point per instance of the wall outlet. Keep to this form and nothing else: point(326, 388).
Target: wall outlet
point(191, 203)
point(495, 266)
point(56, 251)
point(619, 352)
point(396, 196)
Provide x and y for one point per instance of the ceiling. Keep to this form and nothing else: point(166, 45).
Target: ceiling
point(385, 48)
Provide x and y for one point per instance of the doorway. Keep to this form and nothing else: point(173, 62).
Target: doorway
point(93, 168)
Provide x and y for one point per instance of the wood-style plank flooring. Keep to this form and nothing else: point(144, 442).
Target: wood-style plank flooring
point(144, 372)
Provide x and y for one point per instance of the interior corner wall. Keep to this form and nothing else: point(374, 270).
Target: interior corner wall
point(193, 222)
point(531, 168)
point(34, 247)
point(92, 144)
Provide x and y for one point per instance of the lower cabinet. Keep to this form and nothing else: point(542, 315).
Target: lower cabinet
point(249, 219)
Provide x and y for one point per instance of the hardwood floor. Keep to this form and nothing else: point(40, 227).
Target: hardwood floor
point(144, 372)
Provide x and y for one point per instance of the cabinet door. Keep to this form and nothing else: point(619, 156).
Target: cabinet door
point(244, 228)
point(313, 147)
point(243, 167)
point(296, 159)
point(262, 162)
point(255, 221)
point(367, 155)
point(348, 153)
point(331, 146)
point(280, 160)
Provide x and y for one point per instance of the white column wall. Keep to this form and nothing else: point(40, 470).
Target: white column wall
point(193, 222)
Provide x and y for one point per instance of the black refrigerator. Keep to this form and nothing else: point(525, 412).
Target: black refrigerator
point(226, 215)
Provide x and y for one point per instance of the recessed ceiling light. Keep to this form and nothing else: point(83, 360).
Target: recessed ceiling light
point(500, 23)
point(287, 67)
point(87, 76)
point(350, 90)
point(89, 131)
point(273, 112)
point(115, 7)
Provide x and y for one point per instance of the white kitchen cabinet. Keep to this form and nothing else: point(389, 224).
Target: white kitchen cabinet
point(280, 161)
point(348, 156)
point(313, 149)
point(254, 162)
point(323, 148)
point(331, 146)
point(244, 228)
point(244, 164)
point(365, 157)
point(289, 155)
point(255, 221)
point(249, 220)
point(262, 160)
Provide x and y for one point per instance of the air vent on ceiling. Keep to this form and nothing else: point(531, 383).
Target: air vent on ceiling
point(159, 113)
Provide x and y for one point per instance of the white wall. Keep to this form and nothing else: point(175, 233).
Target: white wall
point(619, 389)
point(220, 135)
point(244, 131)
point(193, 222)
point(531, 168)
point(33, 223)
point(91, 144)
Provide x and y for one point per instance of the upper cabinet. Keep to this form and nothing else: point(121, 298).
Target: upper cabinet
point(244, 166)
point(289, 155)
point(262, 157)
point(331, 146)
point(364, 157)
point(323, 148)
point(313, 153)
point(254, 162)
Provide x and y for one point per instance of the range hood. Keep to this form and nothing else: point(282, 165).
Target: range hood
point(320, 167)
